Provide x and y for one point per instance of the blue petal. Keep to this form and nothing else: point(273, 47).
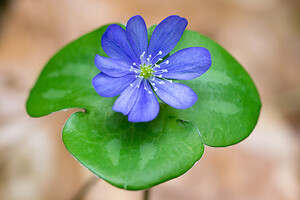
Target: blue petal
point(146, 107)
point(126, 100)
point(137, 35)
point(186, 64)
point(108, 86)
point(112, 67)
point(115, 44)
point(165, 36)
point(175, 94)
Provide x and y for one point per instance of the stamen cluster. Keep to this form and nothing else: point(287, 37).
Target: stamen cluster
point(148, 71)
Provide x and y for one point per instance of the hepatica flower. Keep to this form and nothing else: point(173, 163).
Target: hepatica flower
point(137, 71)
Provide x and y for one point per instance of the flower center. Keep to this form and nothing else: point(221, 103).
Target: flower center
point(146, 71)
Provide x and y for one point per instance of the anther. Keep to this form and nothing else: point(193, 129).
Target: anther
point(159, 53)
point(167, 62)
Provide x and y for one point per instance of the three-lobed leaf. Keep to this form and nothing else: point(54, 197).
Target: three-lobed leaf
point(140, 155)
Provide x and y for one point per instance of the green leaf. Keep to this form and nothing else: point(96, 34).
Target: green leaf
point(228, 103)
point(132, 155)
point(140, 155)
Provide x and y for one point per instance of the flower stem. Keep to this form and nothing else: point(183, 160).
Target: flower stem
point(85, 189)
point(146, 194)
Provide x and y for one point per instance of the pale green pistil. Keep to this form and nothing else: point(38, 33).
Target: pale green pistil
point(146, 71)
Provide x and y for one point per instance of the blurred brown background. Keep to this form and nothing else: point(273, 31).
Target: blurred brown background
point(262, 34)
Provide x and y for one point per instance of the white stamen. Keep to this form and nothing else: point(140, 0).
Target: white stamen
point(141, 57)
point(155, 88)
point(164, 70)
point(170, 81)
point(131, 84)
point(150, 56)
point(147, 87)
point(167, 62)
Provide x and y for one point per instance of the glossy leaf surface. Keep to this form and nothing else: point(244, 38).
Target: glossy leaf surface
point(139, 155)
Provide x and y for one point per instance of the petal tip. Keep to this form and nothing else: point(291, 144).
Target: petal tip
point(135, 16)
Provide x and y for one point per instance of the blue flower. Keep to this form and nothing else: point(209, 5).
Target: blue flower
point(136, 70)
